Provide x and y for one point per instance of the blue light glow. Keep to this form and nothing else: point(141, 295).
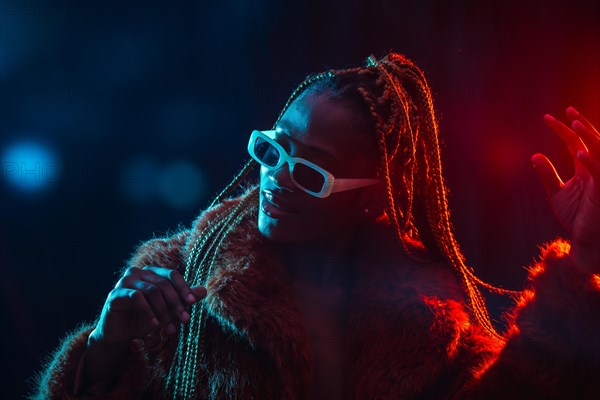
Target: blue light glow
point(29, 166)
point(182, 185)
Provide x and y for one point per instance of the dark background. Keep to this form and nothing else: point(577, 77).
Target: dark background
point(120, 120)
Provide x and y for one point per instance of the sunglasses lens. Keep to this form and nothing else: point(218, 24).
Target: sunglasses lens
point(308, 177)
point(265, 152)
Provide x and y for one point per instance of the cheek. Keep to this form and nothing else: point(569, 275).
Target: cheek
point(337, 214)
point(263, 175)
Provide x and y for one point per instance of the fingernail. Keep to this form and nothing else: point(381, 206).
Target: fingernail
point(577, 125)
point(191, 298)
point(185, 316)
point(155, 322)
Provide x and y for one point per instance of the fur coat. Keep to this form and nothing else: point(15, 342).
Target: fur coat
point(410, 336)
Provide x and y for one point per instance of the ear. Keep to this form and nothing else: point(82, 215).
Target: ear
point(374, 200)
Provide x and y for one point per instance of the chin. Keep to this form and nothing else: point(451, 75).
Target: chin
point(283, 231)
point(273, 230)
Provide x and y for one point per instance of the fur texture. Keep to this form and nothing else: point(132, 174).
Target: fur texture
point(409, 333)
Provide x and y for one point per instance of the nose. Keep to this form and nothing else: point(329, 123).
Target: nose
point(280, 177)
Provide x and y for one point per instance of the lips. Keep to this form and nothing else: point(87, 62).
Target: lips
point(276, 205)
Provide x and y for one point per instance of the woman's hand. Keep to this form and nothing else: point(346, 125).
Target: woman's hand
point(144, 300)
point(576, 202)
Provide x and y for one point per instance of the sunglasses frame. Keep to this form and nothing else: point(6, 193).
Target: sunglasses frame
point(330, 185)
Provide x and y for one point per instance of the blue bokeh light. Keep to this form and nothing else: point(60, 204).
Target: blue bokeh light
point(29, 166)
point(182, 185)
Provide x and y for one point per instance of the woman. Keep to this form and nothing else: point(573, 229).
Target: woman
point(338, 276)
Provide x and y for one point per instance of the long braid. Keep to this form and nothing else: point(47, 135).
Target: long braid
point(183, 375)
point(438, 214)
point(399, 104)
point(437, 209)
point(196, 339)
point(395, 213)
point(398, 134)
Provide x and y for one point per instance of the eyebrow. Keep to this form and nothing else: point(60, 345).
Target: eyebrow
point(283, 129)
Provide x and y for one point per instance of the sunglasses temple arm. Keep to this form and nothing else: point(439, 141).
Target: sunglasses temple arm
point(341, 185)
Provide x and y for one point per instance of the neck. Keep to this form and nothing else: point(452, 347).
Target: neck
point(322, 263)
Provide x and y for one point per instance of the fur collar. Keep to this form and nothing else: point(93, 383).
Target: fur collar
point(405, 319)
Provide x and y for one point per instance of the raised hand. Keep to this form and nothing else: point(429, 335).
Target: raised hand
point(143, 301)
point(576, 202)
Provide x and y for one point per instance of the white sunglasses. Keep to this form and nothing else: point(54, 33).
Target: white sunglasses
point(305, 175)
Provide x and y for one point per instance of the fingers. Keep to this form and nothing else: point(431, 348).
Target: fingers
point(590, 163)
point(141, 303)
point(121, 298)
point(199, 292)
point(590, 136)
point(585, 130)
point(571, 139)
point(573, 115)
point(126, 315)
point(176, 280)
point(162, 294)
point(547, 174)
point(154, 297)
point(168, 291)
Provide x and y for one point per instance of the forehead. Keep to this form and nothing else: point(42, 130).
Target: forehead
point(313, 120)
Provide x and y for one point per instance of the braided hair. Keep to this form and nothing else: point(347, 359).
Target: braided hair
point(395, 103)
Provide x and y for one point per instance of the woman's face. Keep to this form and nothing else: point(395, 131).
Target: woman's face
point(320, 131)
